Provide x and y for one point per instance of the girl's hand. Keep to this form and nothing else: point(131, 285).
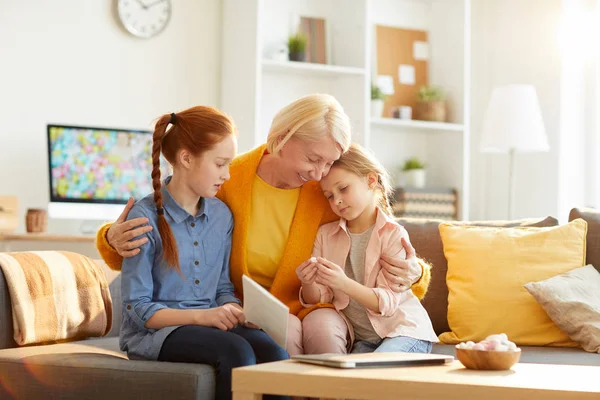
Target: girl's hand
point(225, 317)
point(247, 324)
point(330, 274)
point(307, 272)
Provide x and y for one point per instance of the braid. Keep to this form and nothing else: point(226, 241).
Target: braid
point(170, 252)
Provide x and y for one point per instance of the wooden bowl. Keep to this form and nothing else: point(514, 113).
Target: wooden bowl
point(488, 359)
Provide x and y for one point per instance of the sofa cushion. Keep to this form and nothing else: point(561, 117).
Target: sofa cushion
point(592, 217)
point(425, 237)
point(539, 355)
point(96, 369)
point(487, 268)
point(572, 301)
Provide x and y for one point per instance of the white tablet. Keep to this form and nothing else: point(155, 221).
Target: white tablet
point(265, 310)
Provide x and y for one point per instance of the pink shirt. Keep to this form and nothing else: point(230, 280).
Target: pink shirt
point(401, 314)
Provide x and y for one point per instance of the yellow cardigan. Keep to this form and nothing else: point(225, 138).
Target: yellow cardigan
point(312, 211)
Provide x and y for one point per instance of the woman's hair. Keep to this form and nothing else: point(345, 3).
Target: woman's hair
point(362, 162)
point(310, 118)
point(196, 130)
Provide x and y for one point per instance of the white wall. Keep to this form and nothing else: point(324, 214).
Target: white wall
point(516, 41)
point(69, 61)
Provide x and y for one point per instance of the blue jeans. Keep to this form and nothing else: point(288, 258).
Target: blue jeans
point(391, 345)
point(224, 350)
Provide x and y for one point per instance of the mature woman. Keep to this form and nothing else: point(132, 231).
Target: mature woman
point(277, 207)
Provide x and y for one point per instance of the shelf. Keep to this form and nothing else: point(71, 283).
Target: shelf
point(315, 69)
point(411, 123)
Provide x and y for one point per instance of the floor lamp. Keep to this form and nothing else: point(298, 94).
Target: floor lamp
point(513, 123)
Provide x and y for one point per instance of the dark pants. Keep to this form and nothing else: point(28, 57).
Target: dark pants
point(224, 350)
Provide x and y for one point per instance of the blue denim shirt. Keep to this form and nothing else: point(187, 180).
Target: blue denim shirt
point(148, 285)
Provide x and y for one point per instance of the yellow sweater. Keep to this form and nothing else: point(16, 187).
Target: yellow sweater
point(312, 211)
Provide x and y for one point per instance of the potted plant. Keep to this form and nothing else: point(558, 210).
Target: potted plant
point(431, 104)
point(377, 101)
point(297, 46)
point(413, 172)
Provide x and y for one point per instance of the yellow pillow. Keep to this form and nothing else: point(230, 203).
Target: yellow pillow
point(487, 268)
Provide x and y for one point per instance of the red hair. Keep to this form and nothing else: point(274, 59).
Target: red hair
point(196, 130)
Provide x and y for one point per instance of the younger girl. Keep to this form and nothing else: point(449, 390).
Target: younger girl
point(345, 269)
point(178, 301)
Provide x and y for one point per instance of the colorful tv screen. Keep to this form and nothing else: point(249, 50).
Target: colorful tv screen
point(99, 165)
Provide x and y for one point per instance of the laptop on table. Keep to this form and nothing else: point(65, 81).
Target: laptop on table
point(374, 360)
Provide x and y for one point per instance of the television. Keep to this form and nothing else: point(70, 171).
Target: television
point(94, 171)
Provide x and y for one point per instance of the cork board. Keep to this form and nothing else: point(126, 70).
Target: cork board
point(395, 48)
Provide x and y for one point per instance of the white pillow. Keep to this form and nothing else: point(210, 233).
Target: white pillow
point(572, 301)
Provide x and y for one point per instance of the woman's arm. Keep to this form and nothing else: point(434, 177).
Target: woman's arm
point(404, 273)
point(122, 238)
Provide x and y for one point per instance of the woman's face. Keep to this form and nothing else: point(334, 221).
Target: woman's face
point(303, 161)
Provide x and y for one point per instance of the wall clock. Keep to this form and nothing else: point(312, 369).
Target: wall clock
point(144, 18)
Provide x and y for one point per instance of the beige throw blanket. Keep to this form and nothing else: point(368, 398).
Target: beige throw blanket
point(56, 296)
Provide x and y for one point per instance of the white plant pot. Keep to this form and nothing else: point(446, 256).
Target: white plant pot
point(415, 178)
point(376, 108)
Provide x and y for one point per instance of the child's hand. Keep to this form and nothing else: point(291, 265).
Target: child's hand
point(307, 271)
point(330, 274)
point(247, 324)
point(225, 317)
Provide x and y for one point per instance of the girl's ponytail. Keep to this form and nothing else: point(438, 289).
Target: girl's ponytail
point(170, 252)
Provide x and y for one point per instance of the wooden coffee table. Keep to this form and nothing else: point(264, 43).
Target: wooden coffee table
point(449, 382)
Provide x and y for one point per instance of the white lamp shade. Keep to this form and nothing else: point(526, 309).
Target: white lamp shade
point(513, 120)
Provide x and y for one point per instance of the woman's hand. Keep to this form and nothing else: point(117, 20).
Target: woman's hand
point(330, 274)
point(401, 274)
point(307, 272)
point(224, 318)
point(124, 235)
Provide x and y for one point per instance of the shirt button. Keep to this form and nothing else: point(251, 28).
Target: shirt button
point(196, 262)
point(195, 243)
point(193, 224)
point(196, 281)
point(129, 307)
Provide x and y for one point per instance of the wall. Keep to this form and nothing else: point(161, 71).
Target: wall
point(69, 61)
point(515, 41)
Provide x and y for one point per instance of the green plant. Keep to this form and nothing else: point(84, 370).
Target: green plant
point(297, 43)
point(430, 93)
point(413, 163)
point(376, 93)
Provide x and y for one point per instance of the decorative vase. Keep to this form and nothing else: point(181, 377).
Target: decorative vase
point(377, 108)
point(431, 110)
point(36, 220)
point(415, 178)
point(297, 56)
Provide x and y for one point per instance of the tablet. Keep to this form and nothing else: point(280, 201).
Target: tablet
point(374, 360)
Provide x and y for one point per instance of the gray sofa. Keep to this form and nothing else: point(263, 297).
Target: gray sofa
point(94, 368)
point(97, 369)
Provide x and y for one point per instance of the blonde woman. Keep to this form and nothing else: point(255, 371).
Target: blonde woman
point(277, 207)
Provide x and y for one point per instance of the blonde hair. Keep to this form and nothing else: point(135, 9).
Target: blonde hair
point(362, 162)
point(310, 118)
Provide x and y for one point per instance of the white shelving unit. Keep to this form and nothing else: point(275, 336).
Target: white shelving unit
point(416, 124)
point(255, 87)
point(330, 71)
